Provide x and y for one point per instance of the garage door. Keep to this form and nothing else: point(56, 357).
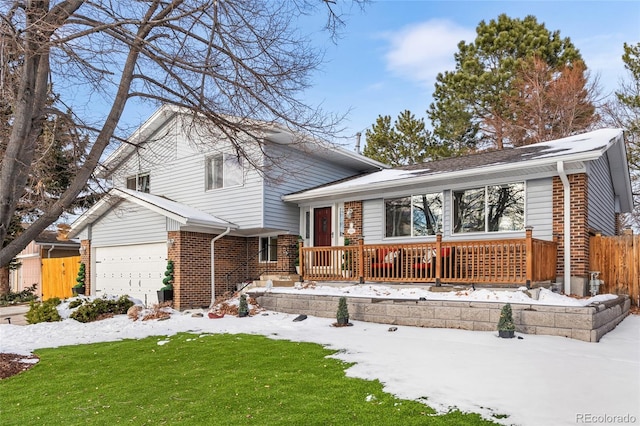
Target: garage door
point(136, 270)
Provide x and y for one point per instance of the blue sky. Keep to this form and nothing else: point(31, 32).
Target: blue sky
point(390, 53)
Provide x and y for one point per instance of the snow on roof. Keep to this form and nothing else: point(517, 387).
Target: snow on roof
point(587, 146)
point(181, 213)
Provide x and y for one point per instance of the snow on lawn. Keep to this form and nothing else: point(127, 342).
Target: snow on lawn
point(536, 380)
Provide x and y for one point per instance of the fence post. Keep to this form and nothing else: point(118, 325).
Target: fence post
point(529, 254)
point(438, 259)
point(361, 259)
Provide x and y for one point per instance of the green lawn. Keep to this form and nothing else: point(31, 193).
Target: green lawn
point(218, 379)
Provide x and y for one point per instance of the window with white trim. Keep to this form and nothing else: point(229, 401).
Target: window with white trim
point(140, 182)
point(413, 216)
point(493, 208)
point(223, 171)
point(268, 249)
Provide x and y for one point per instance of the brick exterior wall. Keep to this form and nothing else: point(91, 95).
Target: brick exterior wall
point(236, 260)
point(356, 219)
point(86, 259)
point(579, 224)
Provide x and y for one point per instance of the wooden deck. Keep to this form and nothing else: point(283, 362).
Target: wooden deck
point(506, 261)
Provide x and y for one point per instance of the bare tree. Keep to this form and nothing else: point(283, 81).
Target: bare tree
point(549, 103)
point(215, 58)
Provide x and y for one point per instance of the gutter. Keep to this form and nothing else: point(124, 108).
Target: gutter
point(213, 265)
point(567, 226)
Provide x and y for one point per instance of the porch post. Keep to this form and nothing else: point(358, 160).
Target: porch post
point(529, 254)
point(438, 259)
point(301, 259)
point(361, 259)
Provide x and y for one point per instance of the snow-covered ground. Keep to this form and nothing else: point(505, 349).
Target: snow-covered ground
point(536, 380)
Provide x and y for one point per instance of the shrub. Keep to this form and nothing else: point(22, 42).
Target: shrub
point(43, 311)
point(342, 316)
point(75, 303)
point(506, 319)
point(99, 308)
point(243, 307)
point(26, 295)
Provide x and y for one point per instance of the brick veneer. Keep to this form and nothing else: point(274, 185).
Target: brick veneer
point(579, 224)
point(191, 254)
point(356, 219)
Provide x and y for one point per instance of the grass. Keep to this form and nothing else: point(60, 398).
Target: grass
point(191, 379)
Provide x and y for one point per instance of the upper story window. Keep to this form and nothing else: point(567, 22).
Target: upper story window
point(413, 216)
point(139, 182)
point(493, 208)
point(223, 171)
point(268, 249)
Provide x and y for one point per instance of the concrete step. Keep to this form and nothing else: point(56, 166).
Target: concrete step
point(274, 283)
point(280, 277)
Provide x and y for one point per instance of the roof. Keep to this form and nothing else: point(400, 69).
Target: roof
point(179, 212)
point(50, 238)
point(579, 148)
point(272, 132)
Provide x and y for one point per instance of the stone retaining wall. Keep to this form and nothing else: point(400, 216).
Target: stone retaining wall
point(587, 323)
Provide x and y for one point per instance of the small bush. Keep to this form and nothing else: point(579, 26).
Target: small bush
point(26, 295)
point(99, 308)
point(43, 311)
point(75, 303)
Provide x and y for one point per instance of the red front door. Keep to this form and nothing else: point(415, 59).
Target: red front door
point(322, 233)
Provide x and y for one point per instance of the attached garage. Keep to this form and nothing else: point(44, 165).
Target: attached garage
point(136, 270)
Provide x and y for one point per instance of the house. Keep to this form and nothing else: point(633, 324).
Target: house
point(516, 216)
point(180, 192)
point(48, 262)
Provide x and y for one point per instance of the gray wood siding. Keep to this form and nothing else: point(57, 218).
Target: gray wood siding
point(538, 213)
point(128, 223)
point(539, 207)
point(153, 156)
point(373, 221)
point(601, 198)
point(293, 172)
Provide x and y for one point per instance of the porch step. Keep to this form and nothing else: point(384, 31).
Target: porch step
point(284, 280)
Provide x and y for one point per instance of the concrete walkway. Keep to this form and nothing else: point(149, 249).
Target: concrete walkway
point(13, 314)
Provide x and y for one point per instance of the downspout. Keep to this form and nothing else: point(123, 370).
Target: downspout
point(567, 226)
point(49, 251)
point(213, 265)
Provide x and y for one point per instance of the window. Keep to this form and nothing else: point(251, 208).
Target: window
point(413, 216)
point(140, 182)
point(268, 249)
point(494, 208)
point(224, 171)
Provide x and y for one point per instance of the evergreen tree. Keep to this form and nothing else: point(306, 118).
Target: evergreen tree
point(406, 142)
point(471, 105)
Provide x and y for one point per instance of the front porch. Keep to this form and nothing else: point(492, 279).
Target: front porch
point(518, 261)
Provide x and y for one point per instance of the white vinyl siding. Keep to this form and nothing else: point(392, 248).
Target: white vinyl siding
point(601, 202)
point(126, 223)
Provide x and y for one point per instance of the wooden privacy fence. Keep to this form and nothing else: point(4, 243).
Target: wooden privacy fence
point(58, 276)
point(618, 260)
point(509, 261)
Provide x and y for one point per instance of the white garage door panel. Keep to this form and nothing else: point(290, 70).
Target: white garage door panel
point(136, 270)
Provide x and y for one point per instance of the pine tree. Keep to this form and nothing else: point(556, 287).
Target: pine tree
point(505, 323)
point(471, 107)
point(342, 315)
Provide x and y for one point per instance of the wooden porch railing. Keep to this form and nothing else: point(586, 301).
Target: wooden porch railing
point(508, 261)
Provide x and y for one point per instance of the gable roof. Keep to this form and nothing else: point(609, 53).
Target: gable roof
point(272, 132)
point(179, 212)
point(579, 148)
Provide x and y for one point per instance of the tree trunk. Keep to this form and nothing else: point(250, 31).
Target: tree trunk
point(4, 281)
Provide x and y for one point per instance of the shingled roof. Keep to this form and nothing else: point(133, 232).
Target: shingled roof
point(585, 147)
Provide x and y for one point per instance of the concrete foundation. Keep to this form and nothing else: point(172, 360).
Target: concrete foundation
point(588, 323)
